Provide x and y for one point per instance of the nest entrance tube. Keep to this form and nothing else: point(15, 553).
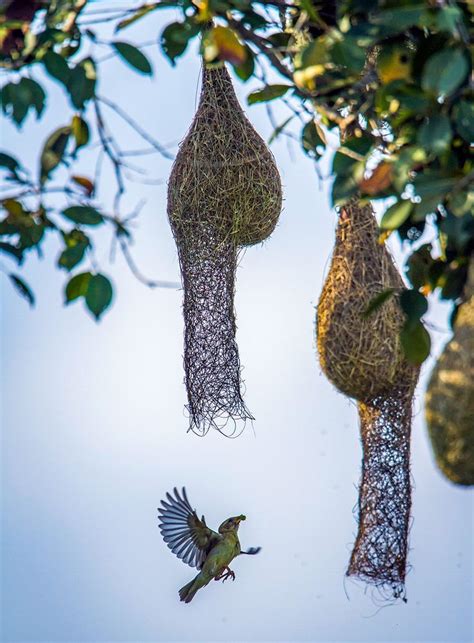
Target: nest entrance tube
point(211, 356)
point(380, 549)
point(362, 356)
point(224, 193)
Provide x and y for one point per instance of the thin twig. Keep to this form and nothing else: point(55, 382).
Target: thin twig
point(138, 275)
point(134, 125)
point(113, 157)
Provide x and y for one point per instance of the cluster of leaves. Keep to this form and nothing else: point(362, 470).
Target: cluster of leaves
point(393, 79)
point(34, 38)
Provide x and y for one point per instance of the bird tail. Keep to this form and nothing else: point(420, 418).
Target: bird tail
point(187, 592)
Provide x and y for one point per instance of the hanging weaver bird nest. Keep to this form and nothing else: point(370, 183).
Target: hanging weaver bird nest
point(449, 402)
point(362, 356)
point(224, 193)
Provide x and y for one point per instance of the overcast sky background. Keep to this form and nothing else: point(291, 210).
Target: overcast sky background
point(94, 434)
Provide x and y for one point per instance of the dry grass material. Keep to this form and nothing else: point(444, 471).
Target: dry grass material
point(449, 401)
point(224, 192)
point(362, 356)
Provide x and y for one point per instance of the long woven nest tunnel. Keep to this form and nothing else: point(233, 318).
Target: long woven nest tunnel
point(224, 193)
point(363, 357)
point(449, 401)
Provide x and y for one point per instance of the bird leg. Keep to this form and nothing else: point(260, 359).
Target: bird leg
point(224, 575)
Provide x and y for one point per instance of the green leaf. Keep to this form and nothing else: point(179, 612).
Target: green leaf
point(268, 93)
point(343, 188)
point(348, 53)
point(83, 214)
point(311, 140)
point(308, 6)
point(396, 214)
point(414, 305)
point(401, 18)
point(18, 98)
point(175, 37)
point(245, 70)
point(453, 281)
point(424, 208)
point(429, 184)
point(77, 287)
point(459, 231)
point(11, 250)
point(9, 162)
point(376, 302)
point(70, 257)
point(444, 72)
point(463, 113)
point(435, 134)
point(416, 342)
point(418, 266)
point(53, 151)
point(99, 295)
point(76, 245)
point(82, 81)
point(447, 18)
point(342, 162)
point(22, 288)
point(461, 203)
point(57, 67)
point(35, 92)
point(133, 56)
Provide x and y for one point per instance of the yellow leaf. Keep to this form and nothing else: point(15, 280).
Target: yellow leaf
point(306, 78)
point(205, 13)
point(223, 43)
point(383, 236)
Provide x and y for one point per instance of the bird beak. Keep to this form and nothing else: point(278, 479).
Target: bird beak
point(240, 518)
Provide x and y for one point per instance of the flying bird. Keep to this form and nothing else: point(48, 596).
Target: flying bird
point(197, 545)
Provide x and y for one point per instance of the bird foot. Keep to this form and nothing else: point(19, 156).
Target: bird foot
point(224, 575)
point(229, 574)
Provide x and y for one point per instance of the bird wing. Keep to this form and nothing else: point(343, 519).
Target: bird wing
point(185, 534)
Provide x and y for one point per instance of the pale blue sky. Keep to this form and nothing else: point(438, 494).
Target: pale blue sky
point(93, 434)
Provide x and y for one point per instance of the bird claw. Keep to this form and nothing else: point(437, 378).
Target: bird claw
point(225, 575)
point(229, 574)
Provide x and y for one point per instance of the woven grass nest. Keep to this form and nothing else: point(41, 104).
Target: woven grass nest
point(449, 401)
point(362, 356)
point(224, 193)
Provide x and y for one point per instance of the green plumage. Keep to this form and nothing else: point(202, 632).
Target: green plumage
point(197, 545)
